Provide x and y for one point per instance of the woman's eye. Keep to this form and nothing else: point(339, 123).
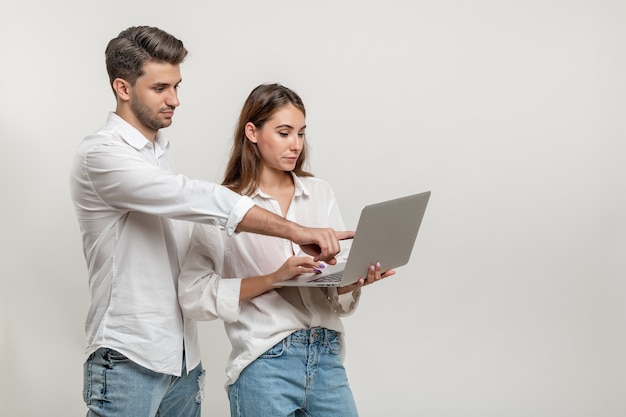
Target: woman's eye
point(283, 134)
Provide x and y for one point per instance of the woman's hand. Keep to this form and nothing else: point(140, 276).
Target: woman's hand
point(373, 275)
point(293, 267)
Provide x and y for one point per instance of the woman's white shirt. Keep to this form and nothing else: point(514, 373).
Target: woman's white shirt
point(211, 275)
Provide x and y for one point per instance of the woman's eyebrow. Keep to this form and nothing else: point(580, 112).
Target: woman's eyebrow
point(288, 126)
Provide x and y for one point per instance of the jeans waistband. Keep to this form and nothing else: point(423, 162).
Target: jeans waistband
point(312, 335)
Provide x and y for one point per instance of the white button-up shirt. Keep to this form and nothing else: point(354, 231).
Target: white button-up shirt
point(211, 276)
point(129, 203)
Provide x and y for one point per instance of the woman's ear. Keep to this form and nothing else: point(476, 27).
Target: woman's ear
point(122, 89)
point(251, 131)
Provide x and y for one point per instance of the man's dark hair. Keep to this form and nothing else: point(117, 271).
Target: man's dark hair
point(132, 48)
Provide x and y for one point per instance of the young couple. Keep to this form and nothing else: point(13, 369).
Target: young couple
point(149, 280)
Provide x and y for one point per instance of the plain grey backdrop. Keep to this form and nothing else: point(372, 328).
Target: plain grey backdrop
point(511, 112)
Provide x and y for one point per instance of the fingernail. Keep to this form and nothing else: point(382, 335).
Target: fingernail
point(378, 264)
point(317, 271)
point(321, 266)
point(371, 267)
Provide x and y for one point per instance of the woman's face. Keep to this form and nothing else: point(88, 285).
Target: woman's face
point(280, 139)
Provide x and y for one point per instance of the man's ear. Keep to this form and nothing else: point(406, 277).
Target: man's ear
point(251, 131)
point(122, 89)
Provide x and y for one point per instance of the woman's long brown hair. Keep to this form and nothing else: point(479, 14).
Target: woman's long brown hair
point(243, 171)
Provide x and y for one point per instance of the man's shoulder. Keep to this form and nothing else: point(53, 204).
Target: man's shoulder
point(116, 131)
point(105, 136)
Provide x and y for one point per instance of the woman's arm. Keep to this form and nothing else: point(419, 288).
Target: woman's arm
point(294, 266)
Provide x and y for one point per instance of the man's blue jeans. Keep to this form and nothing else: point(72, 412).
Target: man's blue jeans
point(301, 376)
point(114, 386)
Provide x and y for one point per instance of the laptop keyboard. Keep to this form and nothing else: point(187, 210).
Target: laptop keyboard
point(329, 278)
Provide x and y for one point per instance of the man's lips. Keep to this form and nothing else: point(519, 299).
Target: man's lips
point(167, 112)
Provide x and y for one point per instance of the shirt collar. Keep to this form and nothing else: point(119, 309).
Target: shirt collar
point(132, 136)
point(299, 191)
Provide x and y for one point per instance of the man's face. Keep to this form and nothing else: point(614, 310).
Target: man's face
point(154, 97)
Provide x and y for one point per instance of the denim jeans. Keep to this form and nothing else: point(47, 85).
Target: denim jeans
point(114, 386)
point(301, 376)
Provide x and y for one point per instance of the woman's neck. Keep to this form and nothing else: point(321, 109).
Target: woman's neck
point(279, 185)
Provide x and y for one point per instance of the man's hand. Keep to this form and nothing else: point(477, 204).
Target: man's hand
point(322, 244)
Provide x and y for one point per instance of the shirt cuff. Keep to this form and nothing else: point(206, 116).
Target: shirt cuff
point(228, 299)
point(239, 210)
point(344, 304)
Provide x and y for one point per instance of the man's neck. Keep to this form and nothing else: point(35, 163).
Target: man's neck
point(131, 119)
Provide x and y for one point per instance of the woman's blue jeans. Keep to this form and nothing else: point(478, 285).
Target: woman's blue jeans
point(114, 386)
point(301, 376)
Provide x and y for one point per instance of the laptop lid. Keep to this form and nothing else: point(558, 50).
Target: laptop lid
point(385, 233)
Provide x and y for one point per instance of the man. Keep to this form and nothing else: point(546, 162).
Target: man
point(129, 203)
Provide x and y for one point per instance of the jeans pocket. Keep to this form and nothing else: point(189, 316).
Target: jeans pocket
point(87, 379)
point(334, 346)
point(114, 356)
point(275, 351)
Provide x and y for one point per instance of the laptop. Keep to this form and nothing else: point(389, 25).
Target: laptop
point(385, 233)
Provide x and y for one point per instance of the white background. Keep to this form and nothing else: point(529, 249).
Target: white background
point(511, 112)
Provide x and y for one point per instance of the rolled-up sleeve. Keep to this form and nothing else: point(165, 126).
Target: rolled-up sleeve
point(240, 209)
point(202, 293)
point(344, 304)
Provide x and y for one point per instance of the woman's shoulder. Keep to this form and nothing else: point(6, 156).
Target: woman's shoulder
point(316, 184)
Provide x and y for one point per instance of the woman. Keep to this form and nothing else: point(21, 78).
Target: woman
point(286, 357)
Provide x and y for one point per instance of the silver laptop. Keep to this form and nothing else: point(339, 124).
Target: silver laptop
point(385, 233)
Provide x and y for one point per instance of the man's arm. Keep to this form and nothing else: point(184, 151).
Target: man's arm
point(321, 243)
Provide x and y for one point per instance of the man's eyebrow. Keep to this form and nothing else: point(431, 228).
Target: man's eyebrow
point(165, 84)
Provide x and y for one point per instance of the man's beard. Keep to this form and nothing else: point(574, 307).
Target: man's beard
point(146, 117)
